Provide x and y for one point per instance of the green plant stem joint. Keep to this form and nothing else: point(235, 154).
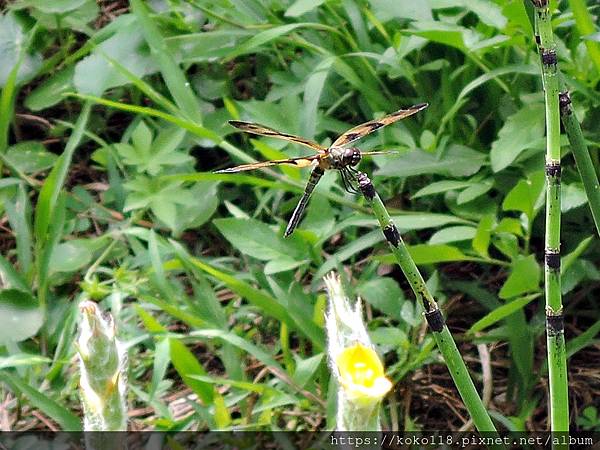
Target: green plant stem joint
point(441, 334)
point(585, 166)
point(392, 235)
point(555, 323)
point(435, 319)
point(553, 171)
point(552, 260)
point(549, 58)
point(564, 102)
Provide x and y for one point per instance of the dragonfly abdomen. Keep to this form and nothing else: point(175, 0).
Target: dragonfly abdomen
point(315, 176)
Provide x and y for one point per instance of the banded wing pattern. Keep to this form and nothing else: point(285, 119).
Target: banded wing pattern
point(262, 130)
point(341, 159)
point(303, 161)
point(360, 131)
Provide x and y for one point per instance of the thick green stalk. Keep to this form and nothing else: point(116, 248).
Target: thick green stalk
point(102, 375)
point(582, 156)
point(434, 317)
point(358, 370)
point(557, 361)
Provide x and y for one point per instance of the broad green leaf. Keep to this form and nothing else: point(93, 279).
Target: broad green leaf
point(38, 399)
point(312, 93)
point(20, 315)
point(430, 254)
point(258, 240)
point(524, 277)
point(30, 157)
point(384, 294)
point(457, 161)
point(300, 7)
point(488, 12)
point(264, 37)
point(76, 19)
point(174, 77)
point(12, 39)
point(268, 304)
point(282, 265)
point(452, 234)
point(306, 368)
point(54, 7)
point(481, 240)
point(348, 251)
point(571, 197)
point(187, 365)
point(19, 217)
point(386, 10)
point(208, 45)
point(507, 243)
point(320, 217)
point(389, 337)
point(510, 225)
point(520, 130)
point(141, 137)
point(524, 196)
point(501, 313)
point(420, 221)
point(474, 191)
point(299, 307)
point(176, 206)
point(571, 257)
point(445, 33)
point(440, 187)
point(94, 74)
point(10, 277)
point(71, 255)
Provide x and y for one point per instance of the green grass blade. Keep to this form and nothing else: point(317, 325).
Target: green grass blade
point(174, 78)
point(66, 419)
point(186, 364)
point(20, 220)
point(55, 181)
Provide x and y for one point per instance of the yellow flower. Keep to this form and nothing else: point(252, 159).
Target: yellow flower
point(361, 374)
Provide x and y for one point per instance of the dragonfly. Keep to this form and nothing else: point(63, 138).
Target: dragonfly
point(336, 156)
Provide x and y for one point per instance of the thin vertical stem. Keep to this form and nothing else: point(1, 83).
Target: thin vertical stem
point(557, 362)
point(582, 156)
point(433, 315)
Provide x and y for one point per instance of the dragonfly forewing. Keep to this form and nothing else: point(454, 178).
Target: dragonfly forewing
point(360, 131)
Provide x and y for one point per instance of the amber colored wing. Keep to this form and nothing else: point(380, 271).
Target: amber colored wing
point(304, 161)
point(262, 130)
point(362, 130)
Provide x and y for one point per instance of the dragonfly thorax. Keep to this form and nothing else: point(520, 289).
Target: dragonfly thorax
point(344, 157)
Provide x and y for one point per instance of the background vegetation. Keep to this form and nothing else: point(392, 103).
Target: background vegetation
point(113, 115)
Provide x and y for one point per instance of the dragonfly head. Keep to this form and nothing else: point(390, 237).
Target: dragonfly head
point(352, 156)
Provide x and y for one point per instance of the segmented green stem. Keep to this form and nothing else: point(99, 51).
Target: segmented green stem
point(557, 361)
point(582, 156)
point(433, 315)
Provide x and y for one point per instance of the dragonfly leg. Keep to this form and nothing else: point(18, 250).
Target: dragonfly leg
point(351, 174)
point(346, 182)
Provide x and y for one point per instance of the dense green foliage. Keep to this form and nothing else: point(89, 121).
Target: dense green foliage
point(113, 117)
